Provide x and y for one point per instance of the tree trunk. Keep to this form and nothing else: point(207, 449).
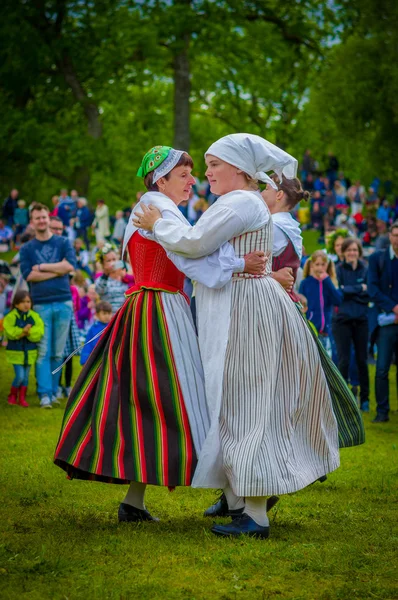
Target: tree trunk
point(91, 111)
point(182, 94)
point(82, 180)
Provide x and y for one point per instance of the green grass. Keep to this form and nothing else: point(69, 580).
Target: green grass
point(60, 539)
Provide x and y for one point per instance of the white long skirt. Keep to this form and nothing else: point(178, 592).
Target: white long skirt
point(277, 429)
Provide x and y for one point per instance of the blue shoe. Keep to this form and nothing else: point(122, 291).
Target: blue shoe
point(365, 406)
point(220, 508)
point(243, 525)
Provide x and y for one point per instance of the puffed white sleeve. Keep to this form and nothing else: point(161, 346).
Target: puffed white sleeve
point(214, 270)
point(215, 227)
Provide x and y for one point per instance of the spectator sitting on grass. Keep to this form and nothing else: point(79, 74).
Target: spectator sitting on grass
point(103, 315)
point(46, 262)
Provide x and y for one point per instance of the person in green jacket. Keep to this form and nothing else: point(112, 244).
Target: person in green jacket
point(23, 328)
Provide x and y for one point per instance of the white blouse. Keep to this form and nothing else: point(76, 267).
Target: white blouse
point(232, 215)
point(286, 228)
point(213, 271)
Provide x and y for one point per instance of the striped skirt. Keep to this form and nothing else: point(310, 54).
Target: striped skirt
point(345, 407)
point(131, 415)
point(278, 432)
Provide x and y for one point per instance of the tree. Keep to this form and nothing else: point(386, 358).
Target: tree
point(352, 108)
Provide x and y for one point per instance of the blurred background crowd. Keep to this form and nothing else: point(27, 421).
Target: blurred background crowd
point(53, 300)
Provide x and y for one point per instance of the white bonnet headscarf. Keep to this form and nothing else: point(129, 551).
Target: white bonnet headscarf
point(254, 155)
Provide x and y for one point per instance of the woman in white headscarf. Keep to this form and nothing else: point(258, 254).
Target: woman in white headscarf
point(272, 429)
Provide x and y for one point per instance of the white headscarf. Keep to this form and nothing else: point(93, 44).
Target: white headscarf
point(254, 155)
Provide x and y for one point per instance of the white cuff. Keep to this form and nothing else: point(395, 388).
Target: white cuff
point(240, 265)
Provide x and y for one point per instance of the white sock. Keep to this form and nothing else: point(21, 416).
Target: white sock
point(234, 501)
point(135, 495)
point(256, 508)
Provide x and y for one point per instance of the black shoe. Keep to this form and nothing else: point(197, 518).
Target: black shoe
point(220, 508)
point(131, 514)
point(243, 525)
point(322, 479)
point(381, 419)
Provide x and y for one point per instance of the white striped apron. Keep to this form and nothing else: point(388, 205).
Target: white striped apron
point(276, 431)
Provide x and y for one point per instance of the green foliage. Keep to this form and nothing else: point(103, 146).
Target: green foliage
point(352, 108)
point(87, 88)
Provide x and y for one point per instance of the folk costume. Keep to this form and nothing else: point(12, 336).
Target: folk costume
point(287, 252)
point(272, 429)
point(138, 412)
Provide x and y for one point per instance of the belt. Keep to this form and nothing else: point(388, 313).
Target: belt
point(155, 286)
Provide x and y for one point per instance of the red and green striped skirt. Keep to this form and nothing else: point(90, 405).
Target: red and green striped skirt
point(125, 419)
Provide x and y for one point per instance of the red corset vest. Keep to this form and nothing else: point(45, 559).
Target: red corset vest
point(151, 267)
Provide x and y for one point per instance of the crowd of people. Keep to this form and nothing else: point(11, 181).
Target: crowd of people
point(337, 202)
point(68, 258)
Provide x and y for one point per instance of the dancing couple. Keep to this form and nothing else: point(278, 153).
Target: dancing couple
point(248, 408)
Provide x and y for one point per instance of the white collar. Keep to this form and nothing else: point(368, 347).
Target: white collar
point(392, 253)
point(162, 202)
point(291, 228)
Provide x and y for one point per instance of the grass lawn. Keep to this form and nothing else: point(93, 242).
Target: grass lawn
point(60, 539)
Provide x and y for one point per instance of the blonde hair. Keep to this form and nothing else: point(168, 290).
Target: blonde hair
point(79, 280)
point(330, 269)
point(253, 183)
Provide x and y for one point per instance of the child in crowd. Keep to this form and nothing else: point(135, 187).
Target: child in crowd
point(94, 253)
point(86, 313)
point(24, 328)
point(304, 310)
point(103, 314)
point(319, 287)
point(80, 283)
point(114, 281)
point(82, 257)
point(120, 227)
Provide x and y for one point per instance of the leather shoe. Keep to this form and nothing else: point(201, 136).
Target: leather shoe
point(131, 514)
point(243, 525)
point(220, 508)
point(381, 419)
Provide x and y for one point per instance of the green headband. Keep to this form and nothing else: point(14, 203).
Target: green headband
point(152, 159)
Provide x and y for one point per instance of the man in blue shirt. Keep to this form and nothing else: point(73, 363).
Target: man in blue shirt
point(46, 262)
point(383, 291)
